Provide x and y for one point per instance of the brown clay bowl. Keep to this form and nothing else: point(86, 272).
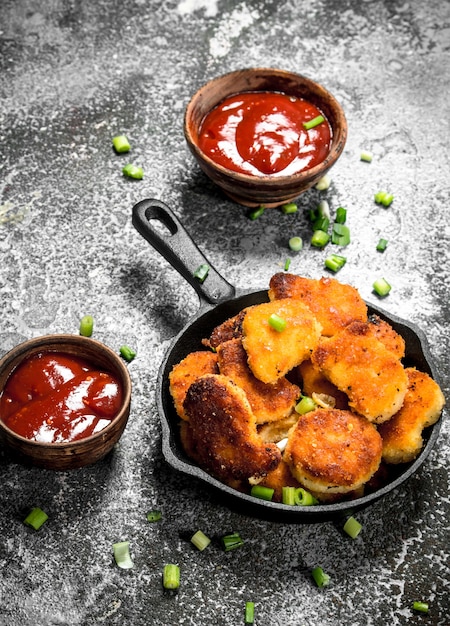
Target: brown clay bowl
point(254, 191)
point(75, 454)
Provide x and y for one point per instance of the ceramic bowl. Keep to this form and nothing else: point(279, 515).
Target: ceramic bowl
point(254, 191)
point(75, 454)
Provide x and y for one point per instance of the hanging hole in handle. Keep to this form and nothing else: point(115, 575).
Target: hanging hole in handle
point(160, 221)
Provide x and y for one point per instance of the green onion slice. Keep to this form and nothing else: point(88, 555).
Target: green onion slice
point(366, 156)
point(314, 122)
point(381, 287)
point(304, 498)
point(323, 183)
point(255, 213)
point(249, 612)
point(35, 518)
point(320, 578)
point(296, 244)
point(261, 492)
point(352, 527)
point(86, 325)
point(340, 235)
point(289, 208)
point(288, 495)
point(154, 516)
point(384, 197)
point(231, 542)
point(133, 171)
point(287, 264)
point(127, 353)
point(335, 262)
point(420, 606)
point(121, 143)
point(202, 272)
point(200, 540)
point(171, 576)
point(305, 405)
point(122, 556)
point(382, 245)
point(277, 323)
point(341, 215)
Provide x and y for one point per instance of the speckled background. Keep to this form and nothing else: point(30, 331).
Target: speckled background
point(75, 73)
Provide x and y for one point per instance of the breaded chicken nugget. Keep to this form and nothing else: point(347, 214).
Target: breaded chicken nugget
point(334, 304)
point(402, 434)
point(229, 329)
point(224, 430)
point(333, 452)
point(277, 479)
point(384, 332)
point(186, 371)
point(272, 353)
point(269, 402)
point(358, 364)
point(313, 381)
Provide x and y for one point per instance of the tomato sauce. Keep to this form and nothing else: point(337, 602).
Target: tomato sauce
point(262, 134)
point(54, 398)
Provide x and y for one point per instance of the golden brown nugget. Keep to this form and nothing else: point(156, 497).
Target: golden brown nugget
point(402, 434)
point(384, 332)
point(186, 371)
point(276, 431)
point(313, 381)
point(333, 452)
point(224, 430)
point(277, 479)
point(334, 304)
point(271, 353)
point(358, 364)
point(269, 402)
point(229, 329)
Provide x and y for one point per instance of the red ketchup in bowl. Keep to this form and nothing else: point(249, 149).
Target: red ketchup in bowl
point(263, 134)
point(53, 397)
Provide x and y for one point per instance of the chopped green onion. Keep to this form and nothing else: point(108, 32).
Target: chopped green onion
point(231, 542)
point(277, 322)
point(383, 197)
point(133, 171)
point(201, 272)
point(121, 143)
point(154, 516)
point(335, 262)
point(261, 492)
point(200, 540)
point(288, 495)
point(320, 239)
point(305, 405)
point(320, 578)
point(352, 527)
point(304, 498)
point(366, 156)
point(171, 576)
point(287, 264)
point(314, 122)
point(122, 554)
point(340, 235)
point(323, 183)
point(341, 215)
point(296, 243)
point(255, 213)
point(381, 287)
point(381, 245)
point(249, 613)
point(86, 325)
point(35, 518)
point(127, 353)
point(289, 208)
point(420, 606)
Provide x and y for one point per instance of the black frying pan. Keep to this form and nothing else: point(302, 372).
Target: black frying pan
point(218, 301)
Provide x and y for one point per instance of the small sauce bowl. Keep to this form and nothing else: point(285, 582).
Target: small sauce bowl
point(81, 452)
point(268, 191)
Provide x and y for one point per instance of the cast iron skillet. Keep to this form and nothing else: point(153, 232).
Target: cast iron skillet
point(218, 301)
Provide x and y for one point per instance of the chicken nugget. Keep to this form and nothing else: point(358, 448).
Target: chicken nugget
point(269, 402)
point(313, 381)
point(333, 303)
point(229, 329)
point(333, 452)
point(278, 478)
point(402, 434)
point(224, 430)
point(384, 332)
point(272, 353)
point(358, 364)
point(186, 371)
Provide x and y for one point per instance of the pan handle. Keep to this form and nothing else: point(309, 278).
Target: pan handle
point(179, 249)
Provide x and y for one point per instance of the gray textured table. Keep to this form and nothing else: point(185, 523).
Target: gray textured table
point(73, 74)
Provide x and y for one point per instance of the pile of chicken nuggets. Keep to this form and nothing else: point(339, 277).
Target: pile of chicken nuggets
point(237, 398)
